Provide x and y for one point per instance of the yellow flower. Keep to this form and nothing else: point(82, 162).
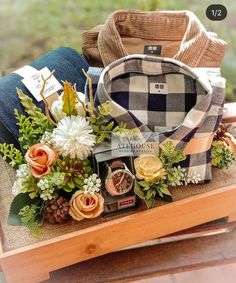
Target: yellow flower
point(86, 205)
point(149, 168)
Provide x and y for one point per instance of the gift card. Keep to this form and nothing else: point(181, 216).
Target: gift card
point(34, 83)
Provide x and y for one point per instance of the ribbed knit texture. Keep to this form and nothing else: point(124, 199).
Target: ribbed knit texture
point(180, 33)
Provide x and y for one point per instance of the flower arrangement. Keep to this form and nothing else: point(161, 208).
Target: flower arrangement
point(156, 173)
point(55, 180)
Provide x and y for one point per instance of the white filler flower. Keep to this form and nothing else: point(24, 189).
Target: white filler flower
point(73, 136)
point(92, 184)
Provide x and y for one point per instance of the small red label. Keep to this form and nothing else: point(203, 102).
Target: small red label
point(126, 203)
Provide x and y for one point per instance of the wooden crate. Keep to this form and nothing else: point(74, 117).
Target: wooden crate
point(28, 260)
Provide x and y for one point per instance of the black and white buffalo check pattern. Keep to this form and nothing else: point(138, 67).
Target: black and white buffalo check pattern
point(167, 97)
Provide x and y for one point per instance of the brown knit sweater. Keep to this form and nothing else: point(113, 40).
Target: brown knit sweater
point(178, 34)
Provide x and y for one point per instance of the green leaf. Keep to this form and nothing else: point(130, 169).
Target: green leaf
point(87, 169)
point(67, 189)
point(101, 138)
point(78, 182)
point(11, 154)
point(165, 191)
point(150, 203)
point(69, 99)
point(109, 127)
point(70, 184)
point(105, 108)
point(33, 195)
point(17, 204)
point(169, 155)
point(149, 194)
point(96, 128)
point(138, 191)
point(144, 184)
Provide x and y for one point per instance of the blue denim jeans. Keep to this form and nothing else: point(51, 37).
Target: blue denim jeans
point(68, 65)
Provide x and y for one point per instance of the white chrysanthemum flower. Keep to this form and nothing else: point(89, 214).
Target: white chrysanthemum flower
point(73, 137)
point(57, 105)
point(92, 184)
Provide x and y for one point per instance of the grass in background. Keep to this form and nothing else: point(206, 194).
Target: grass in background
point(32, 28)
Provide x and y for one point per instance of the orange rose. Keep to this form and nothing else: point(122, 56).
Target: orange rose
point(86, 205)
point(40, 158)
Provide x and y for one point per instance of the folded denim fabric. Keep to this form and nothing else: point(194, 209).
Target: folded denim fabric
point(173, 34)
point(68, 65)
point(169, 100)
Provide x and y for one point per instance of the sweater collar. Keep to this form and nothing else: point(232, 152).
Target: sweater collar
point(178, 25)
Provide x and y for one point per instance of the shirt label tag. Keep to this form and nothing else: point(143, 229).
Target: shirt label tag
point(159, 88)
point(34, 83)
point(152, 49)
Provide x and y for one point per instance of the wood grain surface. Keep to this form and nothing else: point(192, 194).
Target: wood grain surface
point(154, 261)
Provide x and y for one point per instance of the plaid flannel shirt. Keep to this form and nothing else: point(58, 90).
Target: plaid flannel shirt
point(165, 96)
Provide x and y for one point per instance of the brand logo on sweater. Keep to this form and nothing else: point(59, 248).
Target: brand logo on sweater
point(152, 50)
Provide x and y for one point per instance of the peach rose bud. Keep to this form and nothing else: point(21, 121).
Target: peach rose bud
point(41, 158)
point(86, 205)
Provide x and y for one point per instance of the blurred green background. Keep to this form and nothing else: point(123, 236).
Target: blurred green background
point(30, 28)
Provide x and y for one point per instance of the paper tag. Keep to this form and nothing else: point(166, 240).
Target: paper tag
point(34, 83)
point(161, 88)
point(152, 49)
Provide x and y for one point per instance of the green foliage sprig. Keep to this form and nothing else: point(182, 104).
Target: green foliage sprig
point(33, 126)
point(31, 216)
point(104, 129)
point(11, 154)
point(30, 108)
point(169, 155)
point(221, 156)
point(30, 129)
point(177, 176)
point(150, 192)
point(29, 186)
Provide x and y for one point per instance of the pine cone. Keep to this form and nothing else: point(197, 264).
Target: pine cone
point(220, 133)
point(57, 210)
